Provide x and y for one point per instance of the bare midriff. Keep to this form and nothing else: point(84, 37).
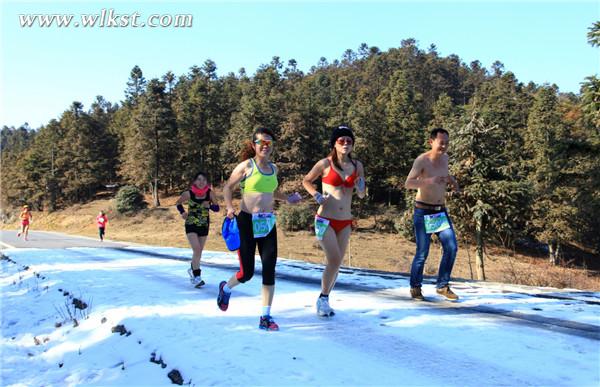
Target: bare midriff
point(257, 202)
point(339, 204)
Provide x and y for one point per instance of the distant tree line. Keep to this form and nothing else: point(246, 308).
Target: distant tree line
point(525, 154)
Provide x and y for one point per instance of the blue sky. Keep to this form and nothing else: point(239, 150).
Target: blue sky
point(45, 69)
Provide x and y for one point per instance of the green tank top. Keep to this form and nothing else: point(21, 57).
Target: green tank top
point(259, 182)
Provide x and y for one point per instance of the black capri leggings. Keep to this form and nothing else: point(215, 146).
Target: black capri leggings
point(267, 248)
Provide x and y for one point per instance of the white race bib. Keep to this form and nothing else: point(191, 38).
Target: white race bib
point(262, 224)
point(436, 222)
point(321, 225)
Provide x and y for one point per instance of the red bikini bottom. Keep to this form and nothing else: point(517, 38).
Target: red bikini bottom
point(338, 225)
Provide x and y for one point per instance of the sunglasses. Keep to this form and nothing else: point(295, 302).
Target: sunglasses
point(344, 141)
point(260, 142)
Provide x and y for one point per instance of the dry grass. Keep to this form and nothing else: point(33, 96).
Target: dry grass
point(163, 227)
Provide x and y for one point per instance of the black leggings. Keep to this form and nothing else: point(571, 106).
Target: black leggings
point(267, 248)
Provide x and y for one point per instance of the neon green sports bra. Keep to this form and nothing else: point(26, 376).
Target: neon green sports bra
point(259, 182)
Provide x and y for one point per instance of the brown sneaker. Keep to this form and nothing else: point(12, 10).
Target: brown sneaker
point(447, 293)
point(416, 294)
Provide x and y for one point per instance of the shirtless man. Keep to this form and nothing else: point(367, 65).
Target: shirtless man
point(430, 177)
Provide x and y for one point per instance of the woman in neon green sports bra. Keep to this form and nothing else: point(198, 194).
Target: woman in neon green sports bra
point(257, 178)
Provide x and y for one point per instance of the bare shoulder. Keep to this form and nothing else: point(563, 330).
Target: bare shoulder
point(359, 165)
point(185, 196)
point(243, 166)
point(320, 165)
point(422, 159)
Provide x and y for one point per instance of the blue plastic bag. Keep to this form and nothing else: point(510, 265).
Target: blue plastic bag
point(231, 234)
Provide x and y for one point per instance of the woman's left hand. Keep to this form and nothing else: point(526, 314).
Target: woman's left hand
point(294, 198)
point(360, 184)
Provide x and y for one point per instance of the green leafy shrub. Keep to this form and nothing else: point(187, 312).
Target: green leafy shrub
point(385, 219)
point(296, 218)
point(404, 225)
point(129, 199)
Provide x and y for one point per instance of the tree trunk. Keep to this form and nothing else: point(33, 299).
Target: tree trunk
point(155, 200)
point(553, 252)
point(479, 250)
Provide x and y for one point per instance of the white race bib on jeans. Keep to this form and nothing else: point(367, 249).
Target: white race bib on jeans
point(436, 222)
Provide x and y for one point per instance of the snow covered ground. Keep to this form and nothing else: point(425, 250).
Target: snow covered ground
point(496, 335)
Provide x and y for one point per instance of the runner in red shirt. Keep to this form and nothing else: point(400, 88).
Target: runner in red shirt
point(26, 219)
point(102, 221)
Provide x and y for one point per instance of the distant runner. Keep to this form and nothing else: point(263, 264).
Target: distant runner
point(200, 199)
point(430, 176)
point(26, 219)
point(340, 175)
point(101, 221)
point(257, 177)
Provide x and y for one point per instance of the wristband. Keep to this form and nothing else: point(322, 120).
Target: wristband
point(319, 198)
point(214, 207)
point(180, 208)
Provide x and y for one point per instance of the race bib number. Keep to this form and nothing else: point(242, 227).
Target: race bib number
point(321, 225)
point(262, 224)
point(436, 222)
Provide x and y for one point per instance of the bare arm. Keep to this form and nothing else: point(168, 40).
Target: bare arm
point(185, 196)
point(314, 174)
point(414, 179)
point(278, 195)
point(452, 181)
point(236, 176)
point(294, 198)
point(361, 175)
point(213, 198)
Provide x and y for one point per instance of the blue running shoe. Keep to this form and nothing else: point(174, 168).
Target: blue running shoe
point(223, 298)
point(267, 323)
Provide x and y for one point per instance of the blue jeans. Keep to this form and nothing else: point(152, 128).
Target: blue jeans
point(449, 246)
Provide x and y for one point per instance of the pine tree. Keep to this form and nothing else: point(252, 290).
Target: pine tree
point(366, 118)
point(554, 209)
point(135, 85)
point(491, 199)
point(402, 133)
point(84, 156)
point(149, 150)
point(590, 101)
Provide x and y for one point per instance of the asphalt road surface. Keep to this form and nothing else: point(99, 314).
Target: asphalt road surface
point(51, 240)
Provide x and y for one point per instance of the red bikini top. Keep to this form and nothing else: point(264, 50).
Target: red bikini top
point(333, 177)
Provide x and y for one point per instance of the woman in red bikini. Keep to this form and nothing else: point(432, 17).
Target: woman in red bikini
point(340, 175)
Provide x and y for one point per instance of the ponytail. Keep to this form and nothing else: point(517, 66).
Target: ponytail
point(247, 151)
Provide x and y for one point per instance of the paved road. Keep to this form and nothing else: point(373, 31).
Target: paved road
point(51, 240)
point(54, 240)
